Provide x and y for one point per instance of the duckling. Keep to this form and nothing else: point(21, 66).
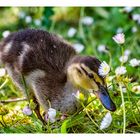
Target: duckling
point(52, 70)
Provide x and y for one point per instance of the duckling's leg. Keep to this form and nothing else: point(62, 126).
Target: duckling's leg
point(37, 111)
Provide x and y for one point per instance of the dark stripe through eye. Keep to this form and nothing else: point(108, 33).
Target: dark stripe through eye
point(84, 70)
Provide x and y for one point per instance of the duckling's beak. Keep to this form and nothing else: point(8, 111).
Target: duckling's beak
point(105, 99)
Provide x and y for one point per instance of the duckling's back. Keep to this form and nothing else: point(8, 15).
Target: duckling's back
point(31, 49)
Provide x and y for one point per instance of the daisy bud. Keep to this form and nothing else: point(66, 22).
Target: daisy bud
point(27, 111)
point(120, 70)
point(106, 121)
point(119, 38)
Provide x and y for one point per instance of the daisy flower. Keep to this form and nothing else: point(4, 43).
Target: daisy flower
point(27, 111)
point(119, 30)
point(134, 29)
point(104, 69)
point(78, 47)
point(134, 62)
point(136, 89)
point(37, 22)
point(123, 59)
point(119, 38)
point(128, 9)
point(5, 33)
point(136, 17)
point(50, 115)
point(101, 48)
point(87, 20)
point(71, 32)
point(127, 52)
point(28, 19)
point(2, 72)
point(120, 70)
point(106, 121)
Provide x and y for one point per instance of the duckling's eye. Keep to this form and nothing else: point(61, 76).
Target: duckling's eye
point(90, 75)
point(79, 71)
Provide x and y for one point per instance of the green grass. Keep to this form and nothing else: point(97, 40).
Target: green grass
point(106, 22)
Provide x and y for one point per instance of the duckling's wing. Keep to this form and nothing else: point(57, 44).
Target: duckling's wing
point(31, 49)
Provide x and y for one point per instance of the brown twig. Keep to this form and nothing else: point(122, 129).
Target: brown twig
point(13, 100)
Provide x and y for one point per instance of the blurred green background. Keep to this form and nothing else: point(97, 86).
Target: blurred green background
point(102, 24)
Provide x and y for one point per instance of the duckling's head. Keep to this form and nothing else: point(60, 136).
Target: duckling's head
point(82, 72)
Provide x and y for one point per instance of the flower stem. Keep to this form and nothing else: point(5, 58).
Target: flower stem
point(123, 104)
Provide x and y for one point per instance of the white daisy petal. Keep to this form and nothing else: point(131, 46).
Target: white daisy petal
point(106, 121)
point(120, 70)
point(104, 69)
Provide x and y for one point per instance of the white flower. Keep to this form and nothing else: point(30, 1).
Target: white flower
point(37, 22)
point(106, 121)
point(134, 62)
point(134, 29)
point(136, 17)
point(124, 90)
point(127, 52)
point(87, 20)
point(104, 69)
point(27, 111)
point(101, 48)
point(2, 72)
point(78, 47)
point(128, 9)
point(50, 115)
point(22, 14)
point(123, 59)
point(136, 89)
point(5, 33)
point(28, 19)
point(119, 30)
point(119, 38)
point(71, 32)
point(120, 70)
point(77, 94)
